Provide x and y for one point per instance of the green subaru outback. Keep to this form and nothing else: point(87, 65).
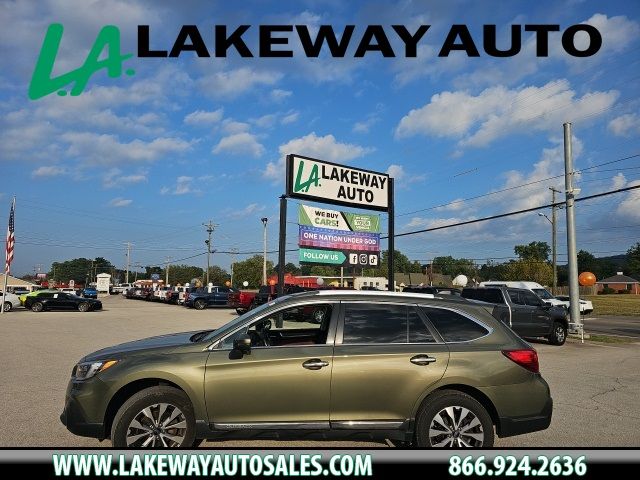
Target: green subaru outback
point(415, 370)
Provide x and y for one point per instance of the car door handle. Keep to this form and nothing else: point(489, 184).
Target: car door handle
point(315, 364)
point(422, 360)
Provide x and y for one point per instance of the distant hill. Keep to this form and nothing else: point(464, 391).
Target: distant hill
point(618, 260)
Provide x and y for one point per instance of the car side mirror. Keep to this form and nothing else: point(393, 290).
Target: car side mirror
point(243, 344)
point(546, 305)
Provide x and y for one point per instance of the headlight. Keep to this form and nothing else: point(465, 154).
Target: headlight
point(86, 370)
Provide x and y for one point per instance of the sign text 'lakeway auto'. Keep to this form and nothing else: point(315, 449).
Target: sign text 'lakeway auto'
point(319, 180)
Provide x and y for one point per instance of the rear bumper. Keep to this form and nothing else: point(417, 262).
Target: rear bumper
point(508, 426)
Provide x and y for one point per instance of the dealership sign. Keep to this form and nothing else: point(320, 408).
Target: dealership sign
point(327, 182)
point(335, 220)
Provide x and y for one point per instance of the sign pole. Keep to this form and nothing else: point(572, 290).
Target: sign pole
point(282, 244)
point(392, 234)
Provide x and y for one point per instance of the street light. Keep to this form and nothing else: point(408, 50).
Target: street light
point(264, 258)
point(553, 248)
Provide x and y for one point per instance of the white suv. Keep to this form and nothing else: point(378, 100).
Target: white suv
point(8, 301)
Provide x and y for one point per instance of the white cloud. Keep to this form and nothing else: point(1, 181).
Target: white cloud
point(278, 95)
point(396, 171)
point(49, 171)
point(311, 145)
point(625, 125)
point(120, 202)
point(266, 121)
point(629, 208)
point(202, 117)
point(184, 185)
point(94, 148)
point(230, 84)
point(240, 144)
point(617, 33)
point(290, 117)
point(365, 125)
point(618, 181)
point(249, 210)
point(114, 178)
point(478, 120)
point(232, 126)
point(453, 206)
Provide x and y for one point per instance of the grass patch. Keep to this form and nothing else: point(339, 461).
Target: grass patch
point(610, 339)
point(615, 304)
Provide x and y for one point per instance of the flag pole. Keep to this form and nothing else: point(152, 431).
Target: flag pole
point(6, 270)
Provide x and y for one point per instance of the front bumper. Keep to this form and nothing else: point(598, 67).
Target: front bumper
point(80, 414)
point(508, 426)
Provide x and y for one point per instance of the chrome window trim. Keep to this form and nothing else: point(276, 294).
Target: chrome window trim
point(366, 424)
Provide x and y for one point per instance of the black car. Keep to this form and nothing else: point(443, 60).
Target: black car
point(61, 301)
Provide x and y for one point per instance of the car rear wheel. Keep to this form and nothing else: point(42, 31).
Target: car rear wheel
point(453, 419)
point(157, 417)
point(7, 306)
point(37, 307)
point(83, 307)
point(200, 304)
point(558, 334)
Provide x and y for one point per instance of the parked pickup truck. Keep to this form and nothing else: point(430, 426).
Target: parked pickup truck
point(523, 311)
point(241, 301)
point(209, 297)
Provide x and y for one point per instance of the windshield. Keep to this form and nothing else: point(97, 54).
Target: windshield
point(542, 293)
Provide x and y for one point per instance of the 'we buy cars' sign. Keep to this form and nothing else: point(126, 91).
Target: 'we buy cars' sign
point(312, 179)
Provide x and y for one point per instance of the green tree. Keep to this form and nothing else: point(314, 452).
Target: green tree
point(454, 266)
point(401, 264)
point(538, 251)
point(291, 268)
point(250, 270)
point(529, 270)
point(218, 275)
point(77, 270)
point(633, 260)
point(181, 274)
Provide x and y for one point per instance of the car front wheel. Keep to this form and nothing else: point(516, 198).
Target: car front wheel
point(558, 334)
point(200, 304)
point(7, 306)
point(157, 417)
point(453, 419)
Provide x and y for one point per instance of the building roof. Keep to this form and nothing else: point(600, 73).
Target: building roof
point(15, 282)
point(619, 279)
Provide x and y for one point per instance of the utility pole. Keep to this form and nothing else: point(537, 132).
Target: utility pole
point(570, 192)
point(554, 229)
point(264, 257)
point(234, 252)
point(166, 272)
point(210, 228)
point(126, 278)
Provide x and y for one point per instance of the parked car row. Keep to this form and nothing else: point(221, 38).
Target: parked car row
point(192, 297)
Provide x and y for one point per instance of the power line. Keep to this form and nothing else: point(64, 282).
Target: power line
point(509, 214)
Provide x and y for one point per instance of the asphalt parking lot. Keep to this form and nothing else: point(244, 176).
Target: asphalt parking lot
point(595, 386)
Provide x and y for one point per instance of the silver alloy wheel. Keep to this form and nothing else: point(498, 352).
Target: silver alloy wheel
point(560, 333)
point(456, 426)
point(158, 425)
point(7, 306)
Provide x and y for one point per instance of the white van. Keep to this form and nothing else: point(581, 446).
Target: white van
point(536, 288)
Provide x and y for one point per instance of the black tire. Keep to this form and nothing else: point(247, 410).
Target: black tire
point(7, 306)
point(199, 304)
point(83, 307)
point(37, 307)
point(558, 334)
point(150, 397)
point(435, 405)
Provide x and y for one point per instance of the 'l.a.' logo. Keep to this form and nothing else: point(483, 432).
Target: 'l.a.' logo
point(312, 179)
point(41, 82)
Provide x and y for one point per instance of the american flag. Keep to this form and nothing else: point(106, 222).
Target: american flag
point(11, 240)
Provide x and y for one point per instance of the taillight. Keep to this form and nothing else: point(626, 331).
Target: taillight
point(525, 358)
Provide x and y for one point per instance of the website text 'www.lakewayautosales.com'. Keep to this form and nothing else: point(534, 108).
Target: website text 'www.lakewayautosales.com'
point(211, 465)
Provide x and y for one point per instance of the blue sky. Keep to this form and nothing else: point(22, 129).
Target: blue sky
point(148, 158)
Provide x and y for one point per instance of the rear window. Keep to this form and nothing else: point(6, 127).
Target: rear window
point(454, 327)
